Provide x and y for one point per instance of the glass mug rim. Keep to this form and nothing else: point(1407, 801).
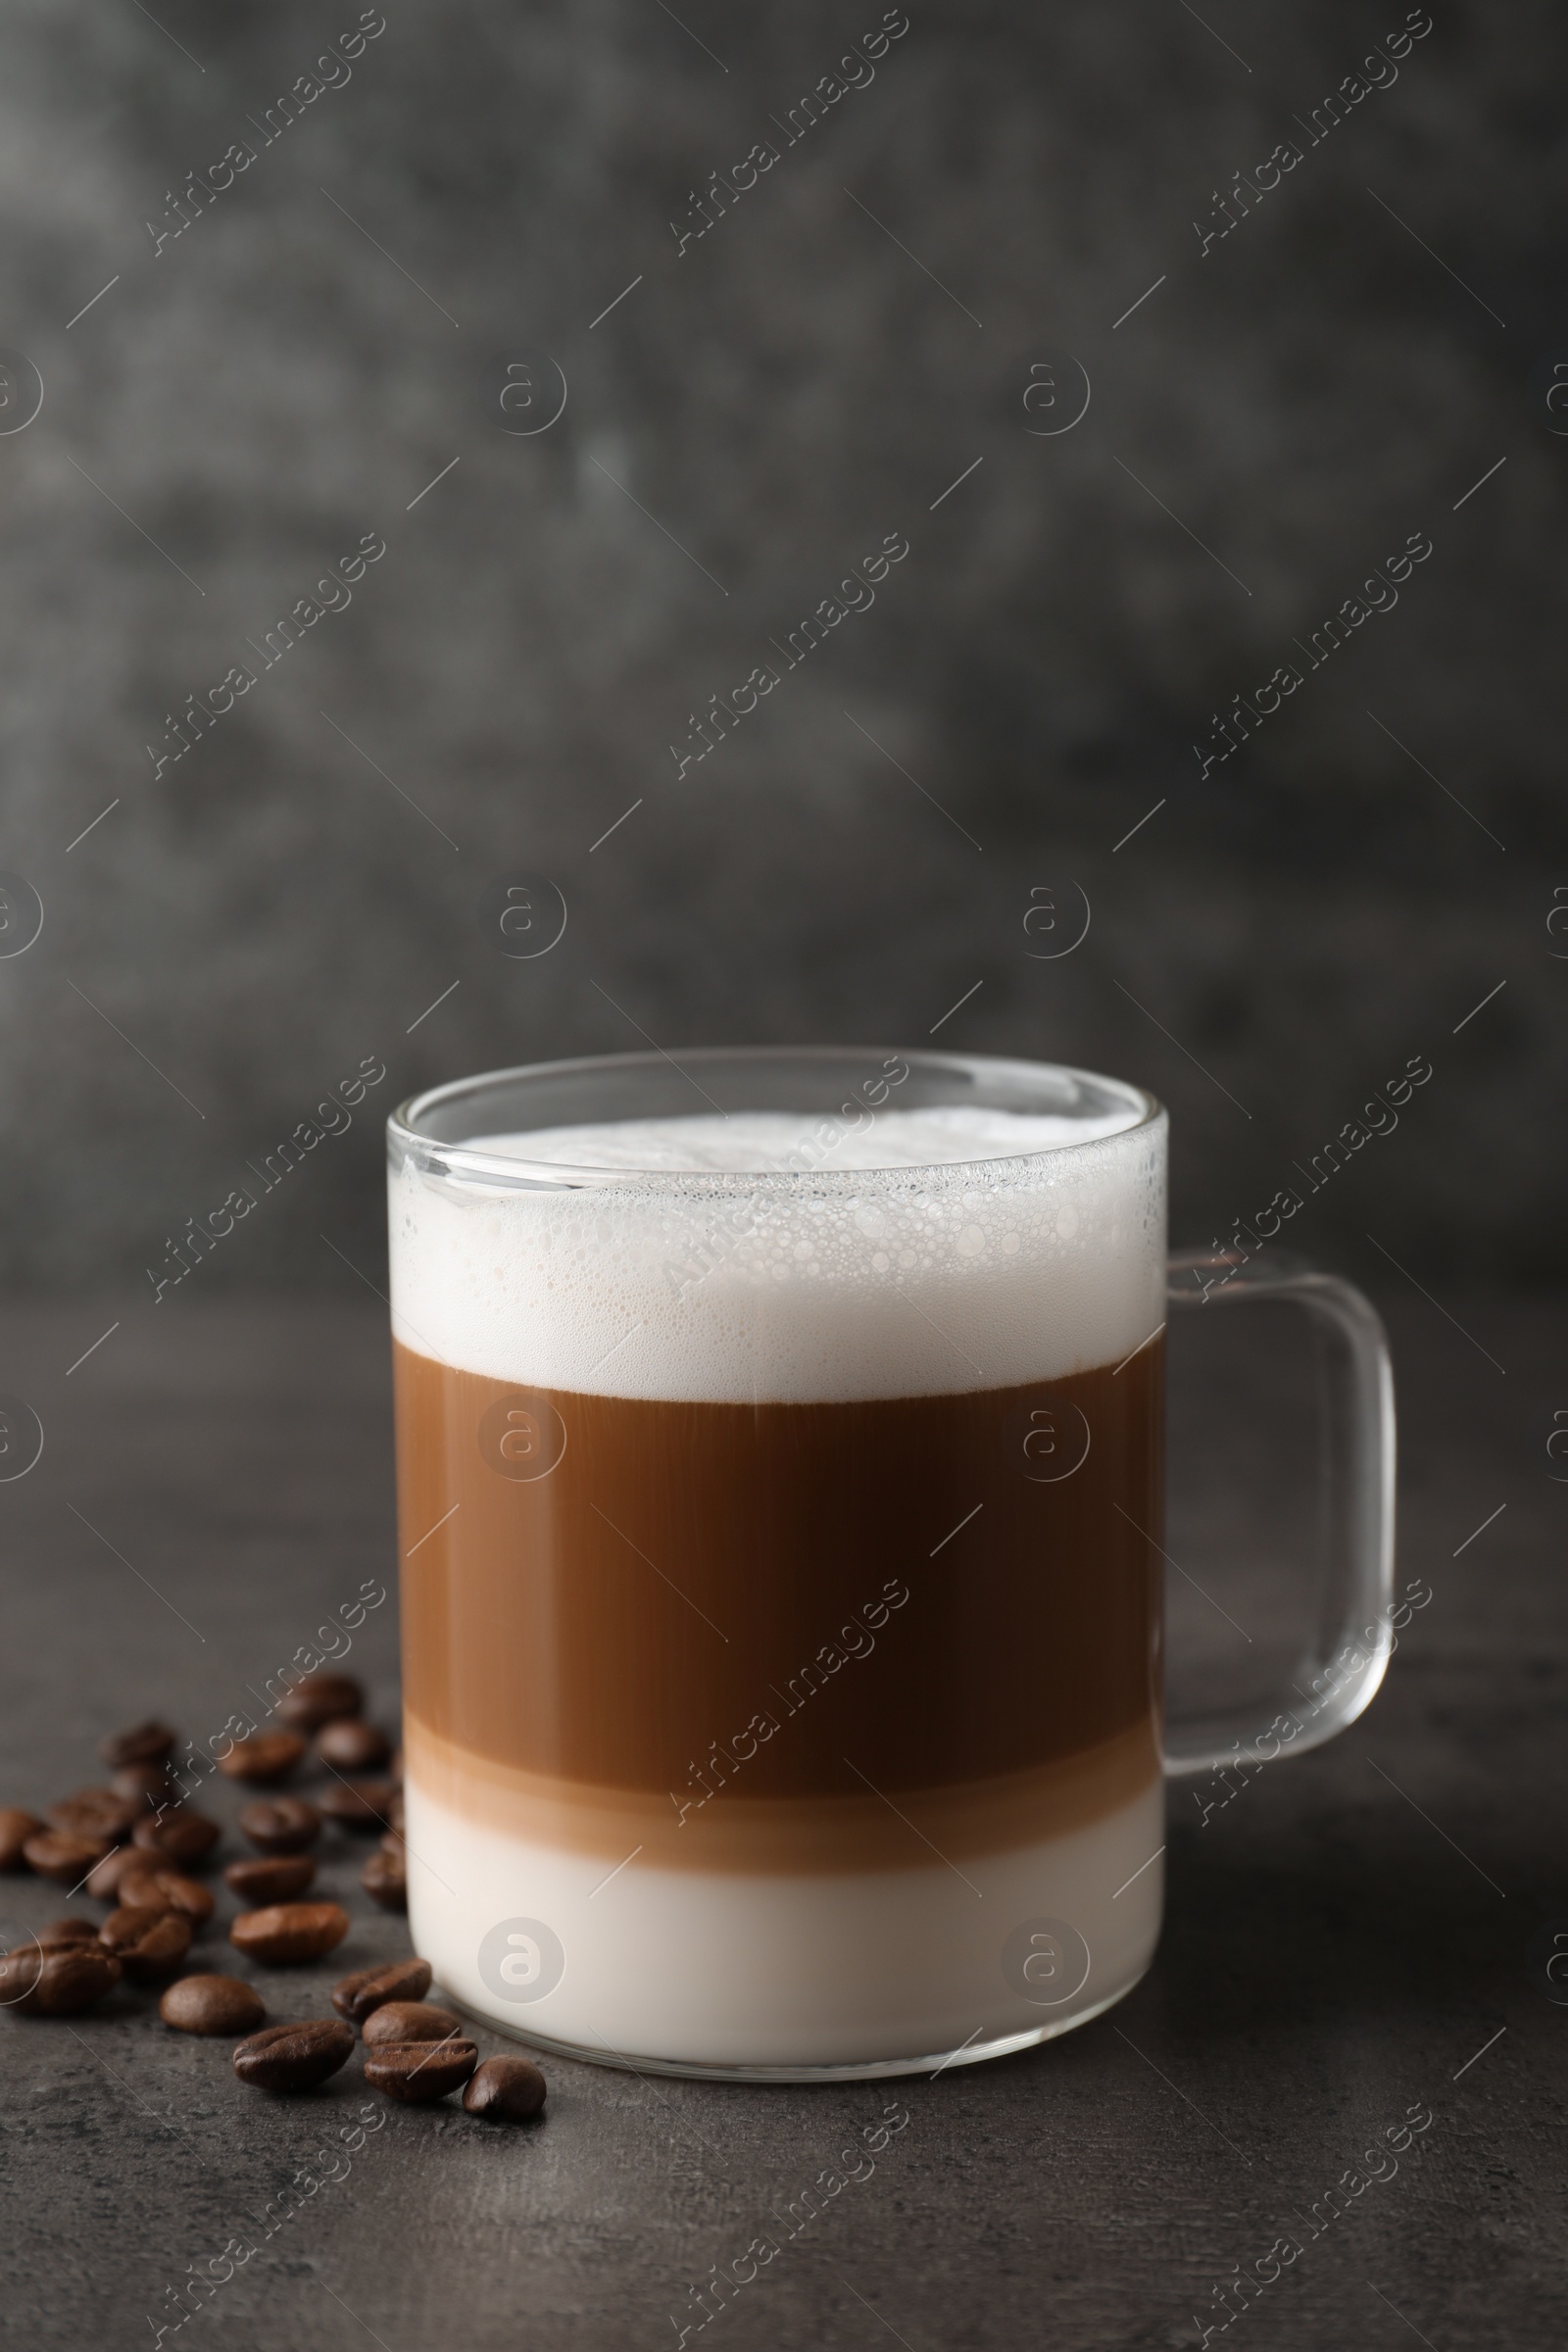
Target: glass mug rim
point(410, 1134)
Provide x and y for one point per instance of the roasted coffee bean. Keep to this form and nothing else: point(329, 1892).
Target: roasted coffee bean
point(68, 1929)
point(128, 1923)
point(354, 1998)
point(104, 1878)
point(143, 1784)
point(57, 1979)
point(394, 1812)
point(357, 1804)
point(288, 1933)
point(148, 1944)
point(21, 1969)
point(409, 2021)
point(182, 1837)
point(270, 1756)
point(270, 1877)
point(316, 1697)
point(280, 1824)
point(294, 2057)
point(385, 1881)
point(509, 2090)
point(156, 1886)
point(16, 1828)
point(93, 1813)
point(143, 1744)
point(55, 1854)
point(61, 1936)
point(212, 2005)
point(417, 2072)
point(351, 1744)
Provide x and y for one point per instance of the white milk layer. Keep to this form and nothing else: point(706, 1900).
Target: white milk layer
point(771, 1258)
point(699, 1968)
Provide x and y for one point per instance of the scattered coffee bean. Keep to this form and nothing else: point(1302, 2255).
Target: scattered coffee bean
point(294, 2057)
point(417, 2072)
point(56, 1854)
point(316, 1697)
point(509, 2090)
point(280, 1824)
point(212, 2005)
point(357, 1804)
point(148, 1944)
point(182, 1837)
point(56, 1980)
point(288, 1933)
point(270, 1756)
point(127, 1923)
point(385, 1881)
point(68, 1929)
point(144, 1784)
point(93, 1813)
point(60, 1936)
point(351, 1744)
point(270, 1877)
point(104, 1878)
point(143, 1744)
point(354, 1998)
point(16, 1828)
point(158, 1886)
point(409, 2021)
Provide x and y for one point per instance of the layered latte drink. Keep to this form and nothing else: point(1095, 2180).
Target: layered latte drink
point(780, 1495)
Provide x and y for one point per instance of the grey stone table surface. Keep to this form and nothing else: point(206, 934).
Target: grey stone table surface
point(1347, 1941)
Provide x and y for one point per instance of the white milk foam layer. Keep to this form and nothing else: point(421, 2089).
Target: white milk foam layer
point(773, 1258)
point(764, 1138)
point(856, 1969)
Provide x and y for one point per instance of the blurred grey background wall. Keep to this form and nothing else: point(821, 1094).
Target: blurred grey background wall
point(270, 337)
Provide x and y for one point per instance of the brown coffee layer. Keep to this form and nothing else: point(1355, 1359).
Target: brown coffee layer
point(780, 1602)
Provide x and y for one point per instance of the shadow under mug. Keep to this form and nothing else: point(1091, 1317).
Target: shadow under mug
point(783, 1559)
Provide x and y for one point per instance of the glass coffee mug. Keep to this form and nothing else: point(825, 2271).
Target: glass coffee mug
point(781, 1466)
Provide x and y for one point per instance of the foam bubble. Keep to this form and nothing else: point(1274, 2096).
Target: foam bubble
point(775, 1258)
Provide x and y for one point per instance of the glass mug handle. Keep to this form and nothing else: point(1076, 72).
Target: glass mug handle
point(1329, 1690)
